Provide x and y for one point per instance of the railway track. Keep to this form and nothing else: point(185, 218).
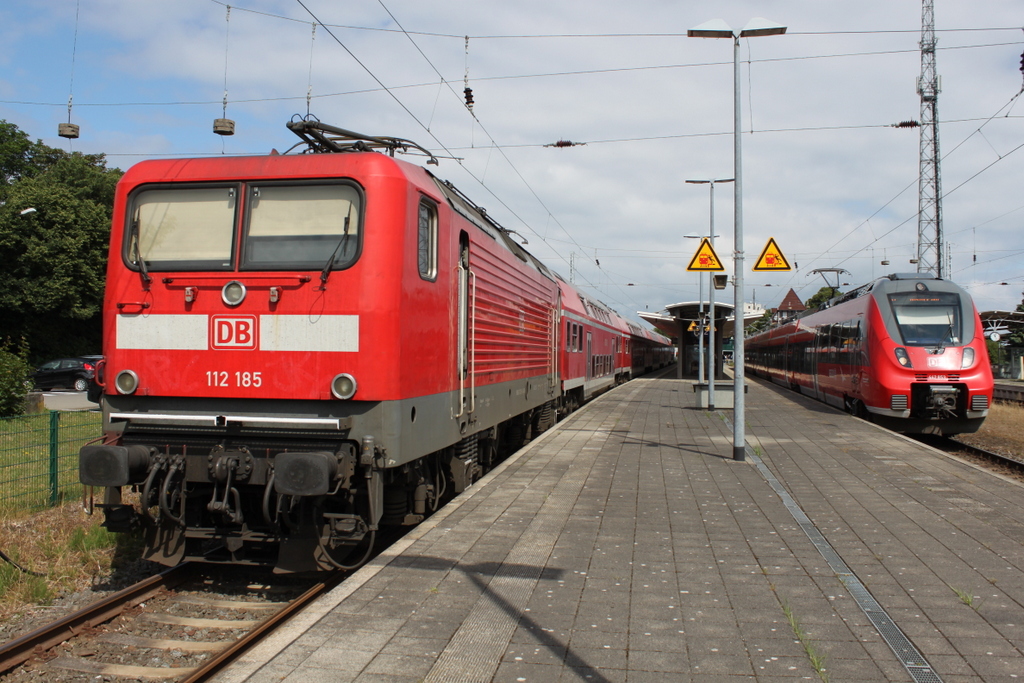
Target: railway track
point(1007, 392)
point(1005, 464)
point(180, 625)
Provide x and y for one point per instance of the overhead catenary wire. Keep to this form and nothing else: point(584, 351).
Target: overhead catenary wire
point(494, 146)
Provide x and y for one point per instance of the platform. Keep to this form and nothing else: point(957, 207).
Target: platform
point(626, 545)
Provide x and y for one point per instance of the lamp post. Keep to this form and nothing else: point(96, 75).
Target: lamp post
point(716, 28)
point(711, 292)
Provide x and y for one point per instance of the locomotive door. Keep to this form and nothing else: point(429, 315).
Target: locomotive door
point(466, 284)
point(590, 357)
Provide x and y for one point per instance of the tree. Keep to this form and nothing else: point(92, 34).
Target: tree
point(1016, 335)
point(762, 323)
point(53, 258)
point(822, 296)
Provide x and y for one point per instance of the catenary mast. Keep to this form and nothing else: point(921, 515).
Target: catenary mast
point(929, 201)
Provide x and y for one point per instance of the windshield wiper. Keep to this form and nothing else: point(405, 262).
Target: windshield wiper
point(326, 272)
point(137, 254)
point(948, 334)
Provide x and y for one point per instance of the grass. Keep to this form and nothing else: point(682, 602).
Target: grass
point(966, 597)
point(1001, 430)
point(817, 659)
point(67, 547)
point(28, 459)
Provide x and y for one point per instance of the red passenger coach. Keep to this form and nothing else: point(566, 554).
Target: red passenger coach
point(906, 351)
point(302, 348)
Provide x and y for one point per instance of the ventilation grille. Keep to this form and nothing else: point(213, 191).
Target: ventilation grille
point(899, 402)
point(979, 402)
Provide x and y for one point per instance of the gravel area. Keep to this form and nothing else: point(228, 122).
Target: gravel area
point(41, 615)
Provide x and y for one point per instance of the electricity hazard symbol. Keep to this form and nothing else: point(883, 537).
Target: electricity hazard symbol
point(705, 258)
point(772, 258)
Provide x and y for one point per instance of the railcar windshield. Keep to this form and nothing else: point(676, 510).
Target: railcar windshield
point(928, 318)
point(285, 226)
point(301, 227)
point(182, 228)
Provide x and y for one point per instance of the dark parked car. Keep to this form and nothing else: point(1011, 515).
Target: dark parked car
point(68, 373)
point(94, 391)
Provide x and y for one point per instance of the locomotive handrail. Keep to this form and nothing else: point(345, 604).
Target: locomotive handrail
point(229, 276)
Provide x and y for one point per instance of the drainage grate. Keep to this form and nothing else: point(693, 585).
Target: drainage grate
point(914, 662)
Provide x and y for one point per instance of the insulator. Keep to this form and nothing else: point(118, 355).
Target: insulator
point(906, 124)
point(469, 96)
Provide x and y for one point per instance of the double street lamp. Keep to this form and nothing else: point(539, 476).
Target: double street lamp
point(716, 28)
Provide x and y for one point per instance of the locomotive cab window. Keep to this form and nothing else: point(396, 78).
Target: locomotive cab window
point(181, 228)
point(426, 240)
point(302, 227)
point(928, 318)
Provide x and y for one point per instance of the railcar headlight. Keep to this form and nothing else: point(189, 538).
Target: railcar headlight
point(344, 386)
point(968, 359)
point(126, 382)
point(233, 293)
point(902, 358)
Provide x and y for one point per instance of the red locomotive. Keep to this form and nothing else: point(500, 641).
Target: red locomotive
point(302, 348)
point(906, 351)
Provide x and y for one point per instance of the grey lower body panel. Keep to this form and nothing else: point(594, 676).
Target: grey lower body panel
point(406, 429)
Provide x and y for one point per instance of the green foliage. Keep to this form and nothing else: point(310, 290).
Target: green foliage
point(762, 323)
point(822, 296)
point(86, 540)
point(53, 258)
point(14, 371)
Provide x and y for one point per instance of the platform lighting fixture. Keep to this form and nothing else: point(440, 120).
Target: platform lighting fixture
point(717, 28)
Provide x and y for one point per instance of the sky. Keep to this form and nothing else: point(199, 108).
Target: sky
point(825, 172)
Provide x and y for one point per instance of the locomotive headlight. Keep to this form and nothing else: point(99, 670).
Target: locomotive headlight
point(968, 359)
point(344, 386)
point(126, 382)
point(902, 358)
point(233, 293)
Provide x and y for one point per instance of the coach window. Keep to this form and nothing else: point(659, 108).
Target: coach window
point(302, 226)
point(181, 228)
point(426, 242)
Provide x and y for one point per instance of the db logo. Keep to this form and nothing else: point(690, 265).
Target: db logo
point(233, 332)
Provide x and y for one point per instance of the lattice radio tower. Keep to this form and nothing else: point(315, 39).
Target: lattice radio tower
point(929, 200)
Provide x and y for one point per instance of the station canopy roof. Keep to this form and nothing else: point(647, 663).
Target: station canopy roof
point(1002, 321)
point(668, 324)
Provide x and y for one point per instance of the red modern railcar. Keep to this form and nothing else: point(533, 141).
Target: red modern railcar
point(906, 351)
point(301, 348)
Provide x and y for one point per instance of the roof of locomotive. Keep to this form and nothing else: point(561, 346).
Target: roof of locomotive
point(307, 166)
point(892, 283)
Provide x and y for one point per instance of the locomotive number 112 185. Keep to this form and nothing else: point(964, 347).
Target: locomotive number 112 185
point(222, 378)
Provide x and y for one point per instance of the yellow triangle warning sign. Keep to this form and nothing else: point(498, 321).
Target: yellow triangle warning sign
point(772, 258)
point(705, 258)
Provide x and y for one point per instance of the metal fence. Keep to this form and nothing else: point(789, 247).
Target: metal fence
point(39, 457)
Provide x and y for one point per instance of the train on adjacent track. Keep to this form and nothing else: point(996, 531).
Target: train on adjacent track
point(303, 348)
point(906, 351)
